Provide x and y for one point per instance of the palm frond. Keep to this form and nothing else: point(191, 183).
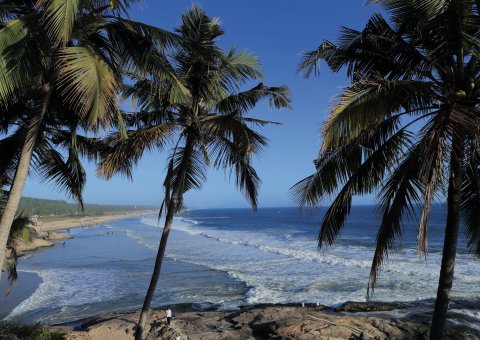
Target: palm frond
point(238, 68)
point(336, 166)
point(20, 230)
point(88, 85)
point(10, 149)
point(245, 101)
point(230, 155)
point(194, 165)
point(378, 49)
point(371, 101)
point(11, 267)
point(68, 175)
point(364, 180)
point(87, 147)
point(13, 67)
point(399, 197)
point(60, 18)
point(418, 173)
point(119, 155)
point(310, 63)
point(471, 199)
point(235, 129)
point(434, 164)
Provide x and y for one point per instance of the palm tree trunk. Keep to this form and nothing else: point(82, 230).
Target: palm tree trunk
point(457, 171)
point(21, 173)
point(177, 191)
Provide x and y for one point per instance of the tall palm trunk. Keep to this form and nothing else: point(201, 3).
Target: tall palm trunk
point(457, 171)
point(21, 173)
point(177, 192)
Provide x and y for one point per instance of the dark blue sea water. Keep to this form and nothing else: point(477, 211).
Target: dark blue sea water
point(233, 257)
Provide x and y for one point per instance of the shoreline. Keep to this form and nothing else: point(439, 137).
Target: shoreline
point(354, 320)
point(48, 236)
point(70, 222)
point(91, 325)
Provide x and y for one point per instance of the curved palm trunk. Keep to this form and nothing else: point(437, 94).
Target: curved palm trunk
point(172, 207)
point(450, 243)
point(21, 174)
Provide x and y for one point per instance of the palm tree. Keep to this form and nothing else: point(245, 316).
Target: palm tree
point(67, 55)
point(406, 129)
point(211, 126)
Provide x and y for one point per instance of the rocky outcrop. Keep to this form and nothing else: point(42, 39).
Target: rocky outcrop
point(355, 307)
point(53, 236)
point(255, 323)
point(22, 247)
point(285, 323)
point(43, 239)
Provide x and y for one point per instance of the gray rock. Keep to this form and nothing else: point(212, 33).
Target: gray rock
point(353, 307)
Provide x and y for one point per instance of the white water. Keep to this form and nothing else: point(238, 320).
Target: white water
point(250, 260)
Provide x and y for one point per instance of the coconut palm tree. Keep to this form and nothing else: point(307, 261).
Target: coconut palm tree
point(73, 52)
point(210, 127)
point(406, 129)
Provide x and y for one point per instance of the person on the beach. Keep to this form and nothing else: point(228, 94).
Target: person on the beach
point(169, 315)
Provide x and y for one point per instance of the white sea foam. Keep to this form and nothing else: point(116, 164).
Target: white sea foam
point(141, 240)
point(60, 287)
point(275, 266)
point(342, 271)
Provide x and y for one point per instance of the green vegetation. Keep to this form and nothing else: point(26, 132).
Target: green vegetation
point(21, 230)
point(42, 207)
point(406, 129)
point(10, 331)
point(54, 209)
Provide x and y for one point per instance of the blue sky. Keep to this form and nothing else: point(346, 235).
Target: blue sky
point(277, 32)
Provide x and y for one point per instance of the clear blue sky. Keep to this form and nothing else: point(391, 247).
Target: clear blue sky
point(277, 32)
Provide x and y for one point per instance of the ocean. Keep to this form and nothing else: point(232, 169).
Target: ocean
point(226, 258)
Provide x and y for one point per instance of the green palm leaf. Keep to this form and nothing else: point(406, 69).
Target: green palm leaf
point(471, 200)
point(119, 155)
point(371, 101)
point(11, 78)
point(59, 18)
point(88, 85)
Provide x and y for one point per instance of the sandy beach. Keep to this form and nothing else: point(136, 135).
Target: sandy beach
point(70, 222)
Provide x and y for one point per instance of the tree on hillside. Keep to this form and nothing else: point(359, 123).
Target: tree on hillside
point(406, 129)
point(61, 58)
point(211, 128)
